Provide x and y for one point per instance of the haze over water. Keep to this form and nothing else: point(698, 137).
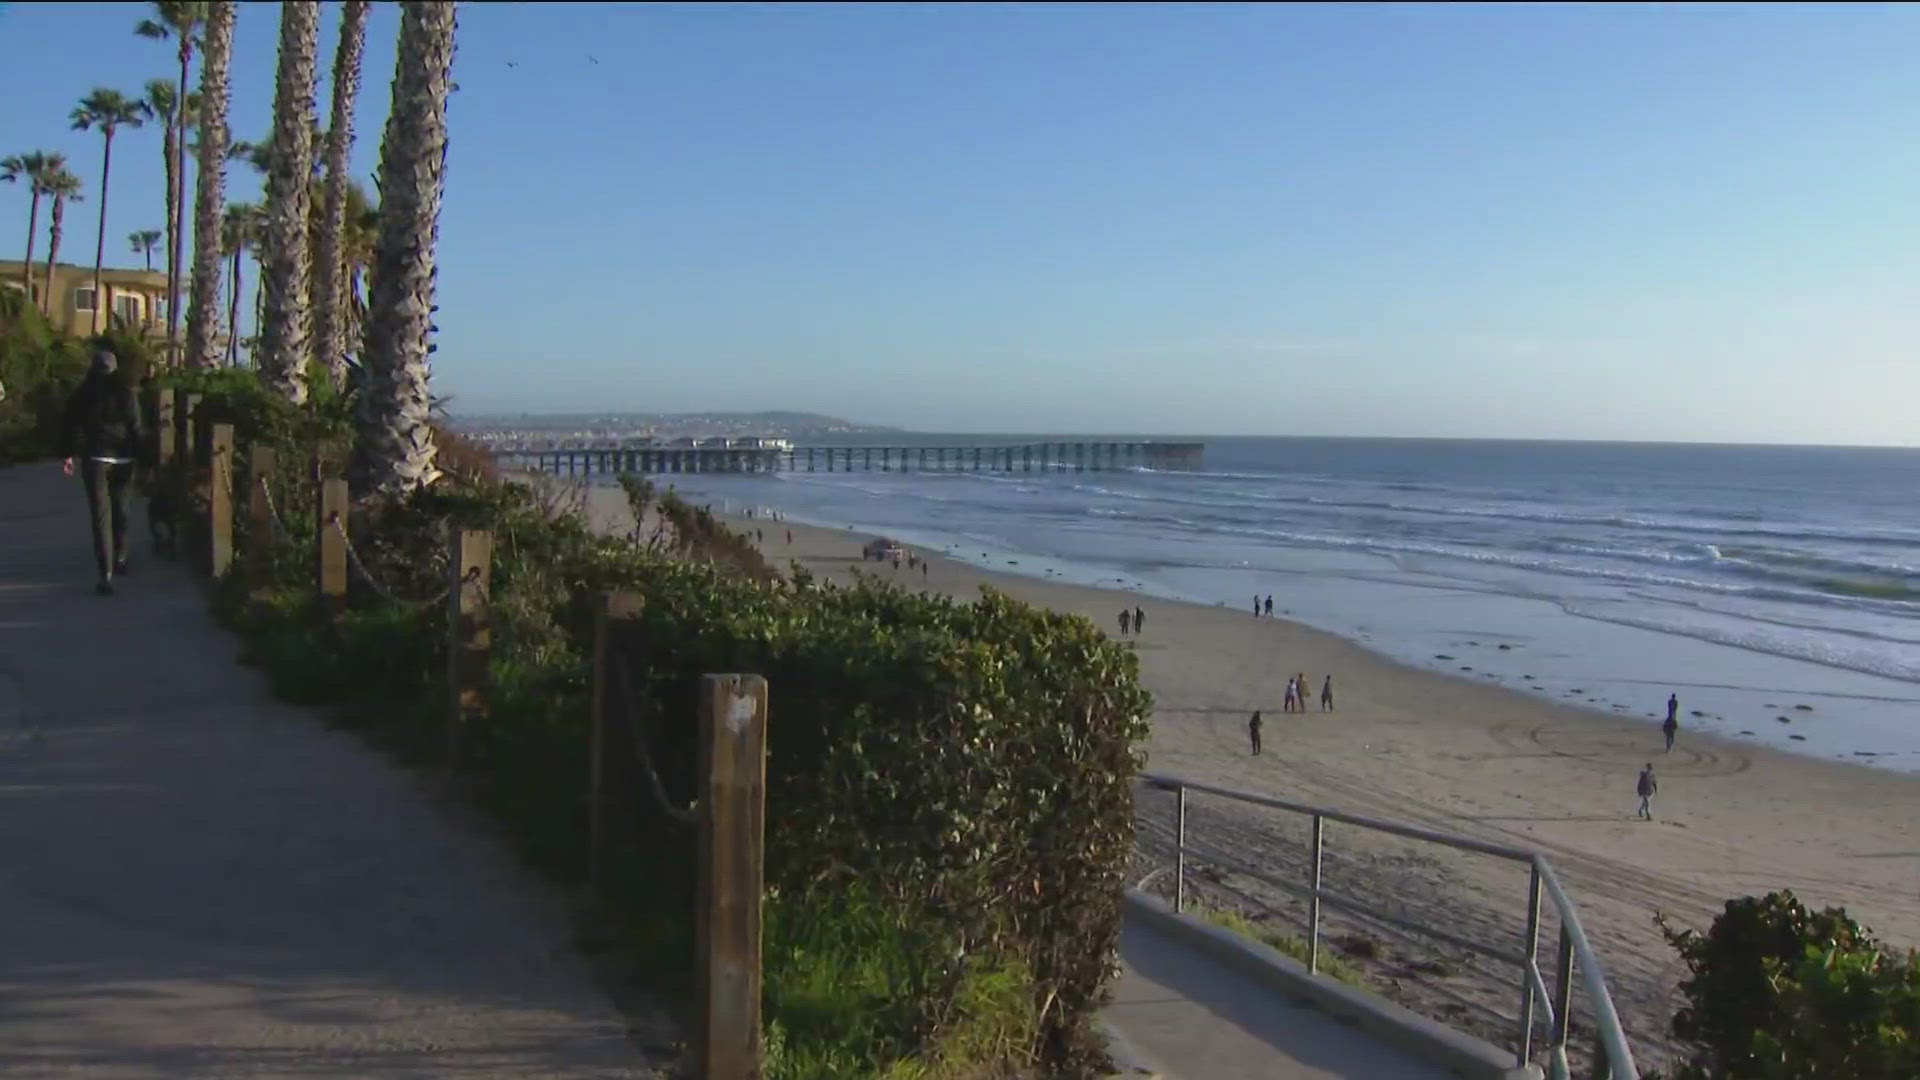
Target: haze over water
point(1756, 582)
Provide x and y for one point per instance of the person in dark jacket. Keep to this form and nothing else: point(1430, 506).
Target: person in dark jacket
point(103, 431)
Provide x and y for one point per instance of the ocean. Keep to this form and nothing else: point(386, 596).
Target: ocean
point(1776, 590)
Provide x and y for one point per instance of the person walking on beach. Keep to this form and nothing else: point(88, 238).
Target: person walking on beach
point(1288, 703)
point(789, 536)
point(1125, 617)
point(1326, 695)
point(1269, 605)
point(1256, 606)
point(102, 428)
point(1670, 728)
point(1139, 618)
point(1648, 788)
point(1253, 732)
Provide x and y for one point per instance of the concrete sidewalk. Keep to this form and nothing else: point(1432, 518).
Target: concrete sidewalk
point(200, 882)
point(1183, 1016)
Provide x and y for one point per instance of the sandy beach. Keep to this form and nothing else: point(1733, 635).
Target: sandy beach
point(1731, 819)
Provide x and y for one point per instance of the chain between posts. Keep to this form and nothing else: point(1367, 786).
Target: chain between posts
point(641, 750)
point(366, 575)
point(273, 510)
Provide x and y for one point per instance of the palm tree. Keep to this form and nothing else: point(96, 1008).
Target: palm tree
point(209, 200)
point(144, 242)
point(239, 233)
point(108, 110)
point(285, 336)
point(394, 452)
point(35, 166)
point(182, 21)
point(177, 117)
point(329, 279)
point(61, 186)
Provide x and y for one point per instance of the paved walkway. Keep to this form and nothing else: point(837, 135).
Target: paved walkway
point(200, 882)
point(1188, 1018)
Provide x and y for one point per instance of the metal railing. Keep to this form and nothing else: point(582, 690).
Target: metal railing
point(1613, 1058)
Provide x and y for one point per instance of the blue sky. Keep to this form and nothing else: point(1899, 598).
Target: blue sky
point(1563, 221)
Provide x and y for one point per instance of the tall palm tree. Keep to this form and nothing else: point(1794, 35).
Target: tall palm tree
point(286, 341)
point(62, 186)
point(239, 233)
point(329, 278)
point(394, 452)
point(109, 111)
point(181, 21)
point(209, 200)
point(36, 166)
point(144, 242)
point(177, 118)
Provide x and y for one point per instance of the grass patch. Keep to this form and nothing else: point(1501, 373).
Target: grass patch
point(1286, 944)
point(841, 973)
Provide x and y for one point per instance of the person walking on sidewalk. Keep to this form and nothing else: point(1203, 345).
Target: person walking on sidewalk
point(1648, 788)
point(1253, 732)
point(102, 429)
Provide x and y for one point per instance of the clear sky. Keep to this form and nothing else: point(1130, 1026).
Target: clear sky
point(1563, 221)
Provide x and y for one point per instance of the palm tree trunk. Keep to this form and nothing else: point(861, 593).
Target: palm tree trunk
point(209, 204)
point(168, 148)
point(177, 205)
point(33, 226)
point(100, 243)
point(286, 342)
point(233, 313)
point(395, 451)
point(329, 294)
point(53, 253)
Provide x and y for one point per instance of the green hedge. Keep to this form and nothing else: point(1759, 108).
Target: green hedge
point(949, 800)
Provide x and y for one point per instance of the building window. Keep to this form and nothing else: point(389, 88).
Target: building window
point(127, 309)
point(83, 299)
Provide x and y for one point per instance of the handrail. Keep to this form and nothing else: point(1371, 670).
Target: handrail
point(1614, 1057)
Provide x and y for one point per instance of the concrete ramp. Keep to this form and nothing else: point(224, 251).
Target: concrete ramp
point(1184, 1016)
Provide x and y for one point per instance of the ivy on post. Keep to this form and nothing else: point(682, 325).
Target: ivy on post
point(470, 637)
point(219, 498)
point(260, 466)
point(732, 825)
point(332, 531)
point(612, 777)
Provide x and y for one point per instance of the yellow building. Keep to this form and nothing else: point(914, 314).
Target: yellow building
point(134, 298)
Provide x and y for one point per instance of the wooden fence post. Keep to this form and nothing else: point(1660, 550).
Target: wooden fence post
point(611, 779)
point(163, 437)
point(470, 635)
point(733, 774)
point(333, 543)
point(183, 443)
point(260, 469)
point(219, 499)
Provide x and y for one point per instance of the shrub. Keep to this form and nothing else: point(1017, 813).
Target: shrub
point(1776, 991)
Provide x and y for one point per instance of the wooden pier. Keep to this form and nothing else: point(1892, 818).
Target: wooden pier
point(1015, 458)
